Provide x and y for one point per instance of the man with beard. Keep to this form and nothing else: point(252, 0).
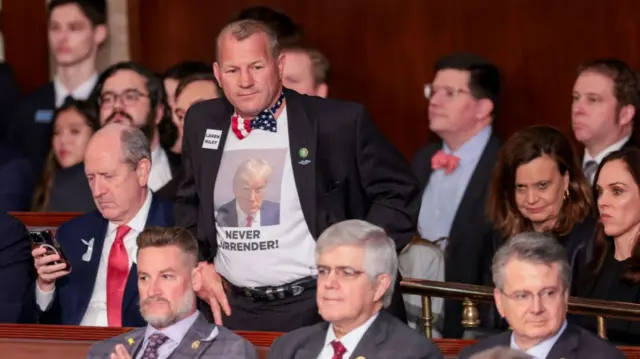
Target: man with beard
point(100, 290)
point(605, 101)
point(131, 94)
point(167, 280)
point(76, 30)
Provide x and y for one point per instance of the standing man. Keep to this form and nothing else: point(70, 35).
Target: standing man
point(605, 102)
point(454, 174)
point(77, 28)
point(306, 70)
point(329, 164)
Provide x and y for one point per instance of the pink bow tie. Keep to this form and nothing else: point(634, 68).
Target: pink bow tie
point(445, 161)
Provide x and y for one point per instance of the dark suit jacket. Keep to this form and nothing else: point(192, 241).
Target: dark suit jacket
point(169, 190)
point(10, 96)
point(17, 273)
point(17, 181)
point(269, 214)
point(352, 171)
point(574, 343)
point(387, 337)
point(463, 262)
point(74, 291)
point(33, 137)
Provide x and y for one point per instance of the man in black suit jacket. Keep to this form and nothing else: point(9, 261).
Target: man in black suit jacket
point(76, 30)
point(332, 163)
point(16, 181)
point(462, 106)
point(532, 278)
point(10, 96)
point(16, 270)
point(356, 267)
point(606, 125)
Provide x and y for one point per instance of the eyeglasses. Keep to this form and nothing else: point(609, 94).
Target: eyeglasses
point(546, 296)
point(128, 97)
point(342, 272)
point(450, 93)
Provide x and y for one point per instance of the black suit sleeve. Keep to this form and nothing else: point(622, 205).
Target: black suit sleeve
point(16, 268)
point(10, 96)
point(388, 181)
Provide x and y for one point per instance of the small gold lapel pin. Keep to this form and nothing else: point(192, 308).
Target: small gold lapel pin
point(130, 340)
point(360, 357)
point(195, 345)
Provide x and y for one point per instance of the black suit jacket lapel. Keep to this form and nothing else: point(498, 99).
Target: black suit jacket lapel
point(303, 136)
point(372, 338)
point(424, 171)
point(313, 347)
point(567, 344)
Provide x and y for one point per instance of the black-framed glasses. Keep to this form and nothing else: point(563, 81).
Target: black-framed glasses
point(128, 97)
point(342, 272)
point(449, 93)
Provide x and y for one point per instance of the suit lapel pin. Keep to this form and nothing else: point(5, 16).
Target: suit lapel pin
point(195, 345)
point(130, 341)
point(360, 357)
point(87, 255)
point(304, 153)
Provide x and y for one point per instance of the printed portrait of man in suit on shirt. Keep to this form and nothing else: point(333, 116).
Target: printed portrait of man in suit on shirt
point(249, 208)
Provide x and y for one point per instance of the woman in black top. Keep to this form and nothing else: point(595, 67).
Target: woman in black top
point(614, 272)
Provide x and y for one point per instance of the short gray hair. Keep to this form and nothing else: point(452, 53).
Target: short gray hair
point(135, 146)
point(243, 29)
point(536, 247)
point(379, 250)
point(501, 353)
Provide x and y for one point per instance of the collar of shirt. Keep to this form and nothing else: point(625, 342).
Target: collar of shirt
point(542, 349)
point(138, 222)
point(81, 92)
point(600, 156)
point(471, 150)
point(176, 331)
point(351, 339)
point(158, 154)
point(242, 217)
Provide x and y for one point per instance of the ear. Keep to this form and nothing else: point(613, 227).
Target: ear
point(159, 113)
point(566, 180)
point(322, 90)
point(626, 115)
point(383, 282)
point(484, 109)
point(196, 279)
point(100, 35)
point(216, 73)
point(280, 65)
point(497, 296)
point(142, 171)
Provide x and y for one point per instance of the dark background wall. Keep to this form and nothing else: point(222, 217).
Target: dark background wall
point(382, 51)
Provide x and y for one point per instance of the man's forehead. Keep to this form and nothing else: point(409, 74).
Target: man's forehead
point(594, 82)
point(124, 79)
point(521, 274)
point(452, 77)
point(68, 12)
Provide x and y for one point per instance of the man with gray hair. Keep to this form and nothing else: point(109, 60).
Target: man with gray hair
point(532, 279)
point(101, 287)
point(356, 268)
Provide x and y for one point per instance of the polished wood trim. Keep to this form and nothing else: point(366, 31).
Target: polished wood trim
point(42, 219)
point(133, 19)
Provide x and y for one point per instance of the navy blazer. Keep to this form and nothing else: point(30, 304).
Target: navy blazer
point(74, 291)
point(17, 180)
point(17, 273)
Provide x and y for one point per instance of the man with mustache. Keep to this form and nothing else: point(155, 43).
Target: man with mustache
point(100, 289)
point(605, 102)
point(131, 94)
point(168, 277)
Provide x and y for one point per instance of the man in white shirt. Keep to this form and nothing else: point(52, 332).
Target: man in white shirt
point(76, 30)
point(605, 101)
point(101, 287)
point(167, 279)
point(131, 94)
point(532, 279)
point(356, 267)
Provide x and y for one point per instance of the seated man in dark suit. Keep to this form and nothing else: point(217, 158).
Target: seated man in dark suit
point(532, 279)
point(101, 289)
point(356, 269)
point(17, 180)
point(16, 268)
point(249, 206)
point(167, 279)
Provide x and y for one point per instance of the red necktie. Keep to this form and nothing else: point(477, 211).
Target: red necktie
point(249, 220)
point(338, 349)
point(443, 160)
point(117, 274)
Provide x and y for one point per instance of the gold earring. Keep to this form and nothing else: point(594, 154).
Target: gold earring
point(566, 194)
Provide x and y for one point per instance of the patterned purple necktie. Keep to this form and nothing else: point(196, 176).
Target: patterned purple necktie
point(154, 342)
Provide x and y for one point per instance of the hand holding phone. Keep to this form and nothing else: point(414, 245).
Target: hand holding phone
point(50, 261)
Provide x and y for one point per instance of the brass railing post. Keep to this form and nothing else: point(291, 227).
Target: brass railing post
point(427, 316)
point(602, 329)
point(470, 316)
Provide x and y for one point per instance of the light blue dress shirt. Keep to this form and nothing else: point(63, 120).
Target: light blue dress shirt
point(175, 332)
point(542, 349)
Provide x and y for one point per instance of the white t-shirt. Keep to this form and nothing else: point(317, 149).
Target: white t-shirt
point(273, 246)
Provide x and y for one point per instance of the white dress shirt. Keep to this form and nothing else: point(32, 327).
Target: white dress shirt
point(81, 92)
point(160, 169)
point(242, 217)
point(600, 156)
point(349, 341)
point(542, 349)
point(96, 314)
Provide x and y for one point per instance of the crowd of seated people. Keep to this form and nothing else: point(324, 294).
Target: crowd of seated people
point(239, 195)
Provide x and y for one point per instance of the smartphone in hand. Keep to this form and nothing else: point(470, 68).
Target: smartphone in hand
point(47, 240)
